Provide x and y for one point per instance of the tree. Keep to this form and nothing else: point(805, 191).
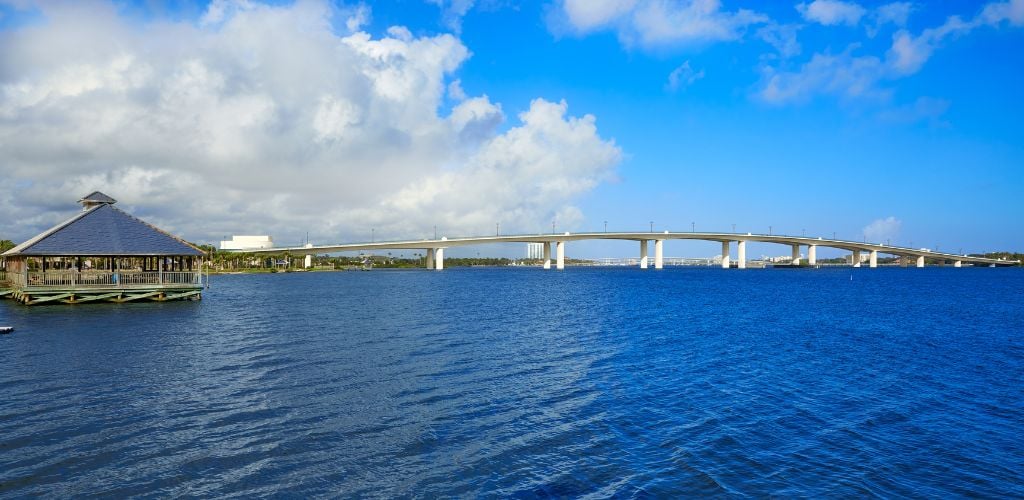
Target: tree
point(6, 245)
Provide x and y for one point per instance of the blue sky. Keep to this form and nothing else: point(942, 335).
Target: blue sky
point(868, 119)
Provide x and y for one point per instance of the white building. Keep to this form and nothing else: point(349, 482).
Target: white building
point(247, 242)
point(534, 250)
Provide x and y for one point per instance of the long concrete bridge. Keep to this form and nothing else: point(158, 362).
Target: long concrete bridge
point(434, 248)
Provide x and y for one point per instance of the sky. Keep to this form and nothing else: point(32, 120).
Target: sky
point(346, 121)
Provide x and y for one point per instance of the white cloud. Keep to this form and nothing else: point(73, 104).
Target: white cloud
point(452, 12)
point(831, 12)
point(654, 23)
point(849, 76)
point(683, 77)
point(220, 128)
point(782, 37)
point(882, 229)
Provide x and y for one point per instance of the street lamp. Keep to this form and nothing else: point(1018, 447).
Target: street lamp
point(833, 235)
point(734, 228)
point(693, 227)
point(769, 230)
point(803, 232)
point(372, 230)
point(552, 227)
point(497, 229)
point(606, 226)
point(435, 231)
point(652, 226)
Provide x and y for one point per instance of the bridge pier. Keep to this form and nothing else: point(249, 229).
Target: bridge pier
point(741, 254)
point(308, 261)
point(659, 254)
point(812, 255)
point(643, 254)
point(725, 255)
point(920, 261)
point(547, 255)
point(958, 263)
point(560, 255)
point(873, 259)
point(796, 255)
point(856, 258)
point(439, 259)
point(430, 258)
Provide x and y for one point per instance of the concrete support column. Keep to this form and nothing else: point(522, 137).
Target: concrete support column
point(547, 255)
point(430, 258)
point(659, 254)
point(856, 258)
point(308, 262)
point(725, 255)
point(812, 255)
point(643, 254)
point(920, 261)
point(560, 255)
point(439, 256)
point(741, 254)
point(958, 263)
point(873, 259)
point(796, 255)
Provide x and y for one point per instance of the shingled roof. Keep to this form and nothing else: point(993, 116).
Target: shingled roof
point(103, 230)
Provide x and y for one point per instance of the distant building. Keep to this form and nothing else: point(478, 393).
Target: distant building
point(534, 250)
point(247, 243)
point(102, 254)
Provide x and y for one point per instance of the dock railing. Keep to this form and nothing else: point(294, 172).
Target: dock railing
point(106, 279)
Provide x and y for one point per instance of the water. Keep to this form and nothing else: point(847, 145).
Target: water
point(521, 382)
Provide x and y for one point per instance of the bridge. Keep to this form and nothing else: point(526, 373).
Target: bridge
point(434, 248)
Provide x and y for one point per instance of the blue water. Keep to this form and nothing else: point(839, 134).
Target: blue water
point(521, 382)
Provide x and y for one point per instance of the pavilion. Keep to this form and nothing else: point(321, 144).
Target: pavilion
point(101, 254)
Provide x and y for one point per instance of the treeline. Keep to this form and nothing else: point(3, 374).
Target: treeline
point(1002, 255)
point(220, 261)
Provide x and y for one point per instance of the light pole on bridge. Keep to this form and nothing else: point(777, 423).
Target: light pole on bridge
point(606, 226)
point(693, 227)
point(769, 230)
point(652, 226)
point(734, 228)
point(497, 229)
point(372, 235)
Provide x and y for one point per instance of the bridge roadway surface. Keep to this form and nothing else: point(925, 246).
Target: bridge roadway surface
point(434, 248)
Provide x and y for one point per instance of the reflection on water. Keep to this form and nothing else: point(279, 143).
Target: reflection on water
point(520, 382)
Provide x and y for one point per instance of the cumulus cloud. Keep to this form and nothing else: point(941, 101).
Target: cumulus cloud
point(683, 77)
point(264, 119)
point(654, 23)
point(831, 12)
point(880, 230)
point(851, 76)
